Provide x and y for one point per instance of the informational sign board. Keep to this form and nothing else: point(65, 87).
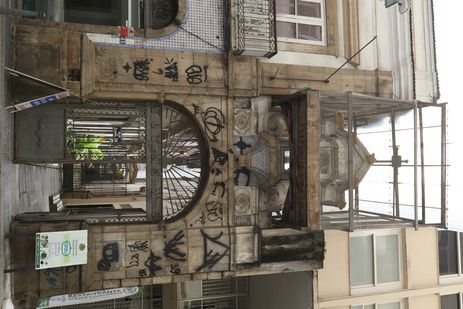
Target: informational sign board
point(87, 297)
point(39, 101)
point(58, 93)
point(58, 249)
point(117, 135)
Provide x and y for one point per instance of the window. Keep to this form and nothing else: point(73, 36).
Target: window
point(227, 293)
point(450, 253)
point(301, 21)
point(159, 13)
point(395, 305)
point(375, 260)
point(452, 301)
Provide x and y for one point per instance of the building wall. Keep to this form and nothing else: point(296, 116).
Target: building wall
point(422, 258)
point(424, 302)
point(404, 46)
point(336, 268)
point(420, 273)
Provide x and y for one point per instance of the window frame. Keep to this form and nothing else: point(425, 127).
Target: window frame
point(375, 286)
point(460, 299)
point(459, 275)
point(138, 30)
point(296, 19)
point(240, 291)
point(375, 305)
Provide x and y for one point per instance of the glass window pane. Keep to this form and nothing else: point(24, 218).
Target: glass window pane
point(101, 12)
point(447, 252)
point(449, 302)
point(309, 32)
point(389, 306)
point(372, 306)
point(285, 7)
point(387, 258)
point(356, 307)
point(361, 260)
point(286, 30)
point(310, 9)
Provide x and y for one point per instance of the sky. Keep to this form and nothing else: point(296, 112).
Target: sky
point(449, 45)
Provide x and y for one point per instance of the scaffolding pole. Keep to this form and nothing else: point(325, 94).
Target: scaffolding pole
point(443, 165)
point(415, 163)
point(350, 163)
point(395, 154)
point(423, 184)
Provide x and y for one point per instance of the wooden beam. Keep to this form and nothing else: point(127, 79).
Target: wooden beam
point(153, 162)
point(313, 160)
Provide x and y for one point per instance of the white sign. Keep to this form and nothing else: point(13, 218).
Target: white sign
point(57, 249)
point(87, 297)
point(39, 101)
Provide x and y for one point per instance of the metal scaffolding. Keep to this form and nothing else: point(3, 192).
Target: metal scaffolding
point(359, 109)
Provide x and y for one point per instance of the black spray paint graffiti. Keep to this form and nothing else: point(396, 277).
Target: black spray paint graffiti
point(201, 219)
point(139, 246)
point(214, 211)
point(127, 67)
point(219, 157)
point(170, 71)
point(141, 69)
point(212, 256)
point(216, 171)
point(219, 184)
point(196, 109)
point(174, 269)
point(52, 275)
point(242, 145)
point(213, 120)
point(196, 74)
point(134, 260)
point(245, 171)
point(171, 250)
point(151, 266)
point(110, 254)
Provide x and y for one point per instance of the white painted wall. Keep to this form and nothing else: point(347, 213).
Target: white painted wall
point(420, 273)
point(392, 50)
point(422, 255)
point(333, 279)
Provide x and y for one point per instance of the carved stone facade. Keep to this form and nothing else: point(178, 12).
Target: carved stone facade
point(259, 173)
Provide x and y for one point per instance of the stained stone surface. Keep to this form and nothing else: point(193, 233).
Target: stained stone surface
point(22, 187)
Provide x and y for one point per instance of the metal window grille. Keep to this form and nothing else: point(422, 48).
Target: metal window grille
point(105, 135)
point(115, 179)
point(218, 294)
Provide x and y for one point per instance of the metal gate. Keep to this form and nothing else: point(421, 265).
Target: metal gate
point(108, 134)
point(114, 179)
point(213, 294)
